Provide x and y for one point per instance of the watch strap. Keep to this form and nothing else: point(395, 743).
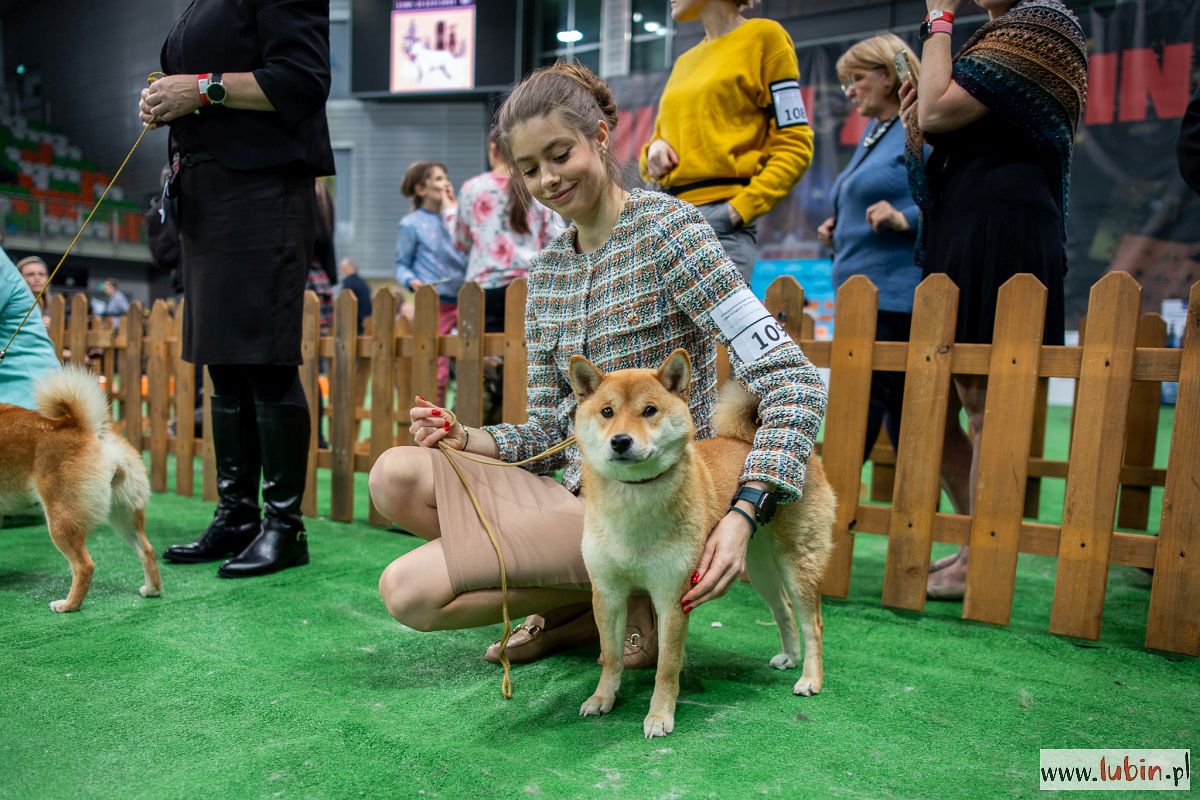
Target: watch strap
point(202, 81)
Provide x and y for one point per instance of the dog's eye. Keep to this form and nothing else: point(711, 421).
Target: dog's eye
point(649, 411)
point(606, 412)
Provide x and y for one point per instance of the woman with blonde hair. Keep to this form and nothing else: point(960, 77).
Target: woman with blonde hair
point(732, 135)
point(37, 275)
point(873, 231)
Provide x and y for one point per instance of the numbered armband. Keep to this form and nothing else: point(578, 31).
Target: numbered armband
point(788, 104)
point(750, 328)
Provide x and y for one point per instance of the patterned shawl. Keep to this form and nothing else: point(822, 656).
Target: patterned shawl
point(1029, 66)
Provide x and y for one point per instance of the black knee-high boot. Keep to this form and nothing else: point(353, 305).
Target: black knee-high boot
point(236, 520)
point(283, 430)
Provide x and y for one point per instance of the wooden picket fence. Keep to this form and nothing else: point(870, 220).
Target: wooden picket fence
point(1118, 368)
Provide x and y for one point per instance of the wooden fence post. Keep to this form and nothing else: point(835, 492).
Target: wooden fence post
point(1037, 447)
point(468, 396)
point(425, 343)
point(310, 370)
point(208, 453)
point(130, 370)
point(404, 378)
point(158, 375)
point(1174, 619)
point(1141, 429)
point(77, 331)
point(1094, 474)
point(516, 358)
point(846, 417)
point(922, 431)
point(185, 411)
point(383, 389)
point(785, 300)
point(343, 422)
point(1004, 458)
point(58, 322)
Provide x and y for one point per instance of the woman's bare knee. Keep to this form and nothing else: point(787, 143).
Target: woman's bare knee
point(399, 478)
point(416, 588)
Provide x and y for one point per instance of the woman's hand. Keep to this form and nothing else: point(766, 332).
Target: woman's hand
point(734, 216)
point(168, 99)
point(884, 215)
point(722, 562)
point(943, 5)
point(908, 104)
point(825, 232)
point(660, 159)
point(430, 425)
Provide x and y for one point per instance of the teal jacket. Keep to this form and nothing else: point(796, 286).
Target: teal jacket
point(31, 354)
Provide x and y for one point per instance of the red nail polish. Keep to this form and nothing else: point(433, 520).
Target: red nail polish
point(447, 426)
point(437, 412)
point(695, 578)
point(687, 611)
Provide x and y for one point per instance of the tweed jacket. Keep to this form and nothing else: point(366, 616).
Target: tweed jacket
point(652, 287)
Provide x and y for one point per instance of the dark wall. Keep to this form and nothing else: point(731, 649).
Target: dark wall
point(93, 58)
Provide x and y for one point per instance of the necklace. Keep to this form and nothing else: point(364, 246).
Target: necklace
point(878, 131)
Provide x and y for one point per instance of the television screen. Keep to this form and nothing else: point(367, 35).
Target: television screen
point(433, 45)
point(425, 47)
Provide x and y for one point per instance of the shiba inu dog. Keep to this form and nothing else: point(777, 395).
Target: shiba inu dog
point(65, 456)
point(652, 495)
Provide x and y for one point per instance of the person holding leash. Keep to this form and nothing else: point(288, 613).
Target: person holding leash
point(244, 96)
point(636, 275)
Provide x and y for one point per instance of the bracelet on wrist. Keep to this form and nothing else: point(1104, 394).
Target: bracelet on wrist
point(748, 518)
point(466, 438)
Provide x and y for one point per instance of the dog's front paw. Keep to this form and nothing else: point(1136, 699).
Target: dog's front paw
point(657, 725)
point(783, 661)
point(62, 606)
point(596, 705)
point(149, 591)
point(807, 686)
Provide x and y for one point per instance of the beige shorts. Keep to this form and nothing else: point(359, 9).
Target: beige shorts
point(538, 523)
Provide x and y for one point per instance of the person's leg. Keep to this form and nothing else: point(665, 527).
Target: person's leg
point(949, 582)
point(235, 441)
point(284, 428)
point(417, 591)
point(740, 242)
point(417, 588)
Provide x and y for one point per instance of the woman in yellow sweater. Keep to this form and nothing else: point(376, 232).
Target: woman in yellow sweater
point(732, 134)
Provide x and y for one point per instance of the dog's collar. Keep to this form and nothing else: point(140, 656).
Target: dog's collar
point(647, 480)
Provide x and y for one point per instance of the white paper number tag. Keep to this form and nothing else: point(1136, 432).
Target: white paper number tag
point(748, 325)
point(789, 105)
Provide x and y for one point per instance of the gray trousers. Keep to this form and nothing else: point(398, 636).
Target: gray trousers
point(740, 243)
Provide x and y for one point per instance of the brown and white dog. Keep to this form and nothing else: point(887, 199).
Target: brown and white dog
point(652, 495)
point(66, 456)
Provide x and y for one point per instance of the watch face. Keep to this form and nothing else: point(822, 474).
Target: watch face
point(216, 92)
point(766, 507)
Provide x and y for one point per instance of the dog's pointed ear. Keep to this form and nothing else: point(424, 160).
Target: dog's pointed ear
point(675, 374)
point(585, 377)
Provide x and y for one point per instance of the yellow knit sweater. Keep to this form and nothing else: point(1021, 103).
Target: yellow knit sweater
point(721, 112)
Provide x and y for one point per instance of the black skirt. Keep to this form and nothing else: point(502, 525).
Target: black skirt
point(247, 240)
point(994, 215)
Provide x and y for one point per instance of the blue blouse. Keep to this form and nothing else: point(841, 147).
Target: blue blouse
point(876, 173)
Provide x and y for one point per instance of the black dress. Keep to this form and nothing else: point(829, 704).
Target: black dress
point(246, 203)
point(993, 214)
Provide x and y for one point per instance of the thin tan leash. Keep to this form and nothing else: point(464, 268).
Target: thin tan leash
point(506, 684)
point(151, 78)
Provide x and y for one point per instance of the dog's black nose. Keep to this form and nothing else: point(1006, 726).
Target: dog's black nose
point(621, 442)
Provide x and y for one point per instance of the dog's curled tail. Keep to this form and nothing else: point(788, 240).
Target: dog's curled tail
point(75, 393)
point(736, 413)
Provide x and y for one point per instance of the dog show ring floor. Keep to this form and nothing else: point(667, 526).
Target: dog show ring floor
point(300, 685)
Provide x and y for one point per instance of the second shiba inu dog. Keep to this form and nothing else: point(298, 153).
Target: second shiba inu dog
point(652, 495)
point(66, 456)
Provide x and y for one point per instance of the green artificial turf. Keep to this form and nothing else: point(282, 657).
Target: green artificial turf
point(301, 685)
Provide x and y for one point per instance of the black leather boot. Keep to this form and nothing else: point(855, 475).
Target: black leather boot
point(236, 521)
point(283, 432)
